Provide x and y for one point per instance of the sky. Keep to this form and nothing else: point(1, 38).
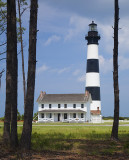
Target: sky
point(62, 51)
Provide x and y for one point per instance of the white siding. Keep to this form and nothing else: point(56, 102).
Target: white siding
point(55, 106)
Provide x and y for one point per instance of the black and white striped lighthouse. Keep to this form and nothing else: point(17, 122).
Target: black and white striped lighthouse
point(92, 71)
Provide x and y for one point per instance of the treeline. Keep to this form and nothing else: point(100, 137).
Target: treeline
point(20, 117)
point(111, 118)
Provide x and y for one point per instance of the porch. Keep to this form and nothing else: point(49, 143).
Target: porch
point(62, 116)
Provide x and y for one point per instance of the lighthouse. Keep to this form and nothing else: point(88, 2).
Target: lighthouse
point(92, 69)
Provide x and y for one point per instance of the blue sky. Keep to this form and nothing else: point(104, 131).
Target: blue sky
point(61, 50)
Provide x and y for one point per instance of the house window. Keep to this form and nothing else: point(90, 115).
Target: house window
point(65, 115)
point(50, 115)
point(42, 105)
point(50, 106)
point(82, 115)
point(82, 105)
point(65, 105)
point(74, 105)
point(74, 115)
point(42, 115)
point(58, 105)
point(97, 108)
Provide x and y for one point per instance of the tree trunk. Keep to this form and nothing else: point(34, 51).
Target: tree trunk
point(11, 76)
point(28, 115)
point(22, 53)
point(114, 134)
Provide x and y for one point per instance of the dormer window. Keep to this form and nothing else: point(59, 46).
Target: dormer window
point(42, 105)
point(50, 105)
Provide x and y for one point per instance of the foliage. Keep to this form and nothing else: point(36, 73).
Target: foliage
point(1, 118)
point(121, 118)
point(35, 117)
point(3, 19)
point(18, 33)
point(107, 118)
point(19, 116)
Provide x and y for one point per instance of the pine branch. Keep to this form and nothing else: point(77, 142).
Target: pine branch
point(2, 59)
point(2, 53)
point(3, 44)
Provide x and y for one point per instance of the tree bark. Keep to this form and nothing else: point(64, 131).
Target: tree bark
point(28, 115)
point(22, 53)
point(11, 77)
point(114, 134)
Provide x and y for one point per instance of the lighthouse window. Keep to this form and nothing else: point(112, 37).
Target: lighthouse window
point(42, 115)
point(50, 106)
point(82, 105)
point(82, 115)
point(65, 105)
point(42, 105)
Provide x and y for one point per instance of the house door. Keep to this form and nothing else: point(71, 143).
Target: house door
point(65, 115)
point(58, 116)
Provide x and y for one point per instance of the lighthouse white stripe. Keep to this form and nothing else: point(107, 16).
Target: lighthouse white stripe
point(92, 51)
point(92, 79)
point(95, 104)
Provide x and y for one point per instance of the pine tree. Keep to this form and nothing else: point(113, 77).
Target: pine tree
point(28, 115)
point(114, 134)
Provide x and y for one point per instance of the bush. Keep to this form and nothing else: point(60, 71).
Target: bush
point(2, 119)
point(121, 118)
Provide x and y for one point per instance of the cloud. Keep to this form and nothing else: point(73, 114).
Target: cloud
point(63, 70)
point(78, 25)
point(51, 39)
point(76, 72)
point(123, 63)
point(82, 78)
point(106, 65)
point(43, 68)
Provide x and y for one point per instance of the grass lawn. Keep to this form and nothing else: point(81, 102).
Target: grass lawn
point(61, 123)
point(79, 140)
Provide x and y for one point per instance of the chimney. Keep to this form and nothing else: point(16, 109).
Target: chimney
point(86, 93)
point(42, 94)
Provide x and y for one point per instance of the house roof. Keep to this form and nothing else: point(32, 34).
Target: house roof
point(95, 112)
point(61, 110)
point(44, 98)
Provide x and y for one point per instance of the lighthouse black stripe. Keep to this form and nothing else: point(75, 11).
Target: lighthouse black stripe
point(95, 92)
point(92, 65)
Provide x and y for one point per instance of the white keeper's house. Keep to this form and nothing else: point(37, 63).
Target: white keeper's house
point(79, 108)
point(66, 108)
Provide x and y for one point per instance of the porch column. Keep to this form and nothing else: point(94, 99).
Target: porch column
point(77, 115)
point(53, 116)
point(45, 115)
point(61, 117)
point(68, 116)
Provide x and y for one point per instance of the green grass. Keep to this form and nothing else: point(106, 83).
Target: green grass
point(61, 123)
point(91, 140)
